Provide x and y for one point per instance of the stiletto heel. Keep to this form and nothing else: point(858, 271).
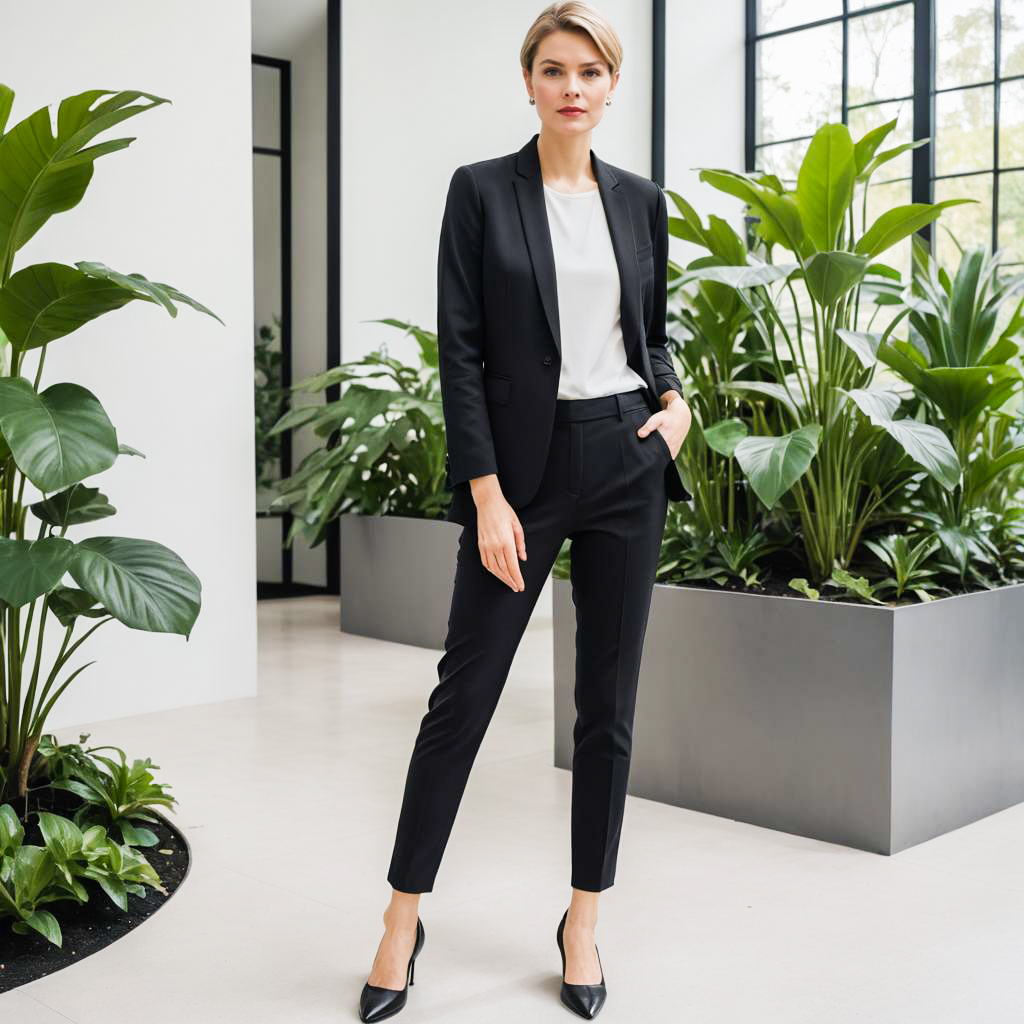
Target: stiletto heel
point(585, 1000)
point(377, 1003)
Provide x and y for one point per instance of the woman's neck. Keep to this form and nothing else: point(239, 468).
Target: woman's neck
point(565, 161)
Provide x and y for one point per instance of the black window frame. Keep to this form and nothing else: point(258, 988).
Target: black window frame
point(923, 174)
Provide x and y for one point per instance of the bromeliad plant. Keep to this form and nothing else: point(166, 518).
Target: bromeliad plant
point(56, 438)
point(824, 441)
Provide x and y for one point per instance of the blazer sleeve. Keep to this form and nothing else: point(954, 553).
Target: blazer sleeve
point(657, 341)
point(460, 332)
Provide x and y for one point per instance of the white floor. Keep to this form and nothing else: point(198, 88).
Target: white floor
point(290, 802)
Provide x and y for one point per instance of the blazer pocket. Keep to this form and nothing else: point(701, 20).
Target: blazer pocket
point(644, 250)
point(497, 388)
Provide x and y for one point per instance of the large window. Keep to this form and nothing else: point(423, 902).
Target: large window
point(948, 70)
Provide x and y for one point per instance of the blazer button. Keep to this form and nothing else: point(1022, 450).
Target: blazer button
point(547, 360)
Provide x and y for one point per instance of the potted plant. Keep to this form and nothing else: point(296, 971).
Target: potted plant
point(813, 659)
point(380, 469)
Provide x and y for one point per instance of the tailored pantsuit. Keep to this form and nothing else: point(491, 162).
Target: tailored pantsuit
point(570, 468)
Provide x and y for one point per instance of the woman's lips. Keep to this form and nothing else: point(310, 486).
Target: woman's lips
point(567, 112)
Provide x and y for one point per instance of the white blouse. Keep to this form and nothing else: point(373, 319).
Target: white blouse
point(589, 293)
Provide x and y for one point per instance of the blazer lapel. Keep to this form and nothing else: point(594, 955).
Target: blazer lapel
point(529, 189)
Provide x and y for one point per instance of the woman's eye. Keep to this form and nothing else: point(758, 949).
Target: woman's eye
point(593, 72)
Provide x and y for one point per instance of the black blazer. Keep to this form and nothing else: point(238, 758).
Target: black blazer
point(497, 317)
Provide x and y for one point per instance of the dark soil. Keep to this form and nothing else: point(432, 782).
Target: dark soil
point(781, 588)
point(87, 927)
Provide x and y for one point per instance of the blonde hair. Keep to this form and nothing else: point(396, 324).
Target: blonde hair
point(573, 16)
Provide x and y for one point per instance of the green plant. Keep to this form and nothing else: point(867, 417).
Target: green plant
point(271, 398)
point(820, 432)
point(118, 795)
point(54, 439)
point(905, 560)
point(394, 467)
point(31, 876)
point(961, 373)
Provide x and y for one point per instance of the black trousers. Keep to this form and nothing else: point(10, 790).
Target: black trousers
point(603, 487)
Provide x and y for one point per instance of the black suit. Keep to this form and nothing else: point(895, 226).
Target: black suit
point(571, 468)
point(497, 316)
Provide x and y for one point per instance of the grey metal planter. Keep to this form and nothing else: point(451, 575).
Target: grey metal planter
point(397, 576)
point(873, 727)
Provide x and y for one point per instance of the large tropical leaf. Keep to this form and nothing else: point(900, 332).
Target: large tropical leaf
point(865, 147)
point(75, 504)
point(774, 464)
point(58, 437)
point(830, 275)
point(895, 224)
point(824, 188)
point(924, 444)
point(960, 392)
point(48, 300)
point(142, 583)
point(42, 174)
point(141, 288)
point(29, 568)
point(741, 277)
point(780, 217)
point(723, 436)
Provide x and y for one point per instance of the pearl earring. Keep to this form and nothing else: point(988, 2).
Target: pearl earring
point(532, 100)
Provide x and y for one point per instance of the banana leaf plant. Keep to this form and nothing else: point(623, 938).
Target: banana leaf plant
point(824, 441)
point(55, 438)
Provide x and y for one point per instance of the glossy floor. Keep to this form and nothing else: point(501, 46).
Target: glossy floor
point(290, 802)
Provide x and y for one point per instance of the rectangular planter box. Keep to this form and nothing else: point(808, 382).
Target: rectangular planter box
point(873, 727)
point(397, 576)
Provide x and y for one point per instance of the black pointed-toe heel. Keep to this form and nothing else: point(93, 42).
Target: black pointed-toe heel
point(377, 1003)
point(585, 1000)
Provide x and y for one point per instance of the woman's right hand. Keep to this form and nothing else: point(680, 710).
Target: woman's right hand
point(499, 533)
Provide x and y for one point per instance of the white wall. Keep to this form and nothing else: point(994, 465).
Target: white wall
point(175, 206)
point(426, 87)
point(704, 115)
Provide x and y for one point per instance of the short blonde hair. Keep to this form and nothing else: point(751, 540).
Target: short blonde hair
point(573, 16)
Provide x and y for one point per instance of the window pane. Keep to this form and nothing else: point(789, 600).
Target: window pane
point(863, 119)
point(783, 160)
point(971, 223)
point(881, 65)
point(776, 14)
point(963, 130)
point(1011, 214)
point(881, 198)
point(799, 84)
point(964, 42)
point(1012, 42)
point(1011, 124)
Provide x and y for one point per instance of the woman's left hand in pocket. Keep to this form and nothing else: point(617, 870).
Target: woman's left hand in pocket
point(674, 423)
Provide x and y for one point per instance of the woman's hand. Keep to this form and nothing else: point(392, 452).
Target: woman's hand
point(499, 533)
point(673, 422)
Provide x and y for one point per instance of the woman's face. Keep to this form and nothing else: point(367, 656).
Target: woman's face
point(569, 72)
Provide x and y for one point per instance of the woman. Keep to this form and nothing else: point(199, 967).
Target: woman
point(564, 417)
